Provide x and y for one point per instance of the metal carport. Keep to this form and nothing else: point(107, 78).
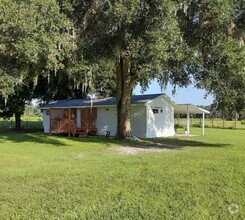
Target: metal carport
point(190, 109)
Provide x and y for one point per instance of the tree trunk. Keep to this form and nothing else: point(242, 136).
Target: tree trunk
point(17, 121)
point(125, 84)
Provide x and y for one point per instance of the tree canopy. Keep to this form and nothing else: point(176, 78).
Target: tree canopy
point(217, 30)
point(179, 42)
point(33, 41)
point(68, 48)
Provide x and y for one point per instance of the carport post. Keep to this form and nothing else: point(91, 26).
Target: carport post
point(203, 122)
point(188, 120)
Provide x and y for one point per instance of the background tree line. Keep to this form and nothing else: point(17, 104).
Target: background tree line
point(63, 49)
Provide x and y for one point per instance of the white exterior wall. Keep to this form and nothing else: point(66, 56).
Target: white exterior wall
point(78, 118)
point(138, 121)
point(45, 122)
point(162, 123)
point(106, 120)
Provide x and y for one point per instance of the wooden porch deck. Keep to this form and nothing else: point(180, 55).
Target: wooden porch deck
point(65, 121)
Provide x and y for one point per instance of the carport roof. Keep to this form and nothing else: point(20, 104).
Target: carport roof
point(184, 108)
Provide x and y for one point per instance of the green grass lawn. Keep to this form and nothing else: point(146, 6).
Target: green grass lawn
point(50, 177)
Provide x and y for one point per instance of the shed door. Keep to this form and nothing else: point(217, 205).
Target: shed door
point(88, 118)
point(89, 113)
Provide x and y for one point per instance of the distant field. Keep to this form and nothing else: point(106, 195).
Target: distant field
point(26, 123)
point(53, 177)
point(212, 123)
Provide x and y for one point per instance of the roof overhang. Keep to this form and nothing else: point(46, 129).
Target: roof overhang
point(163, 96)
point(136, 100)
point(86, 106)
point(192, 109)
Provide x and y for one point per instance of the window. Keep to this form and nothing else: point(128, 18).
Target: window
point(155, 111)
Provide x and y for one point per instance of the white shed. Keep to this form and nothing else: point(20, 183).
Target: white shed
point(151, 116)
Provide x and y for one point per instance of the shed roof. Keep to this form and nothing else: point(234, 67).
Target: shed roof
point(183, 108)
point(111, 101)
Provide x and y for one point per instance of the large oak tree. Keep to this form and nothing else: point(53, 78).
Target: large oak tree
point(143, 39)
point(173, 41)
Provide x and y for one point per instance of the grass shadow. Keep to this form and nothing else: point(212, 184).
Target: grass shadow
point(160, 143)
point(32, 136)
point(177, 143)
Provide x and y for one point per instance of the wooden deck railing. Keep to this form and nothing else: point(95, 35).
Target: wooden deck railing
point(73, 128)
point(84, 126)
point(59, 125)
point(69, 126)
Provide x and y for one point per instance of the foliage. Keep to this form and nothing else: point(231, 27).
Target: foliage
point(30, 34)
point(144, 32)
point(71, 48)
point(46, 177)
point(215, 29)
point(34, 40)
point(32, 111)
point(173, 41)
point(16, 101)
point(144, 41)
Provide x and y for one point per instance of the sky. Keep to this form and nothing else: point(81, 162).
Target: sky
point(189, 95)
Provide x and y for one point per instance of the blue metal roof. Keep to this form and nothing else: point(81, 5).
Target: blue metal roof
point(135, 99)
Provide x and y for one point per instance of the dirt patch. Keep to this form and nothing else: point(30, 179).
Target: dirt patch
point(77, 156)
point(184, 135)
point(137, 150)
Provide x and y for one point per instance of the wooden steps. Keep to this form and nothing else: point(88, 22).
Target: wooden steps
point(82, 132)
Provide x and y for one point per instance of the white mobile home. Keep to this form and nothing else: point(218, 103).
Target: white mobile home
point(151, 116)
